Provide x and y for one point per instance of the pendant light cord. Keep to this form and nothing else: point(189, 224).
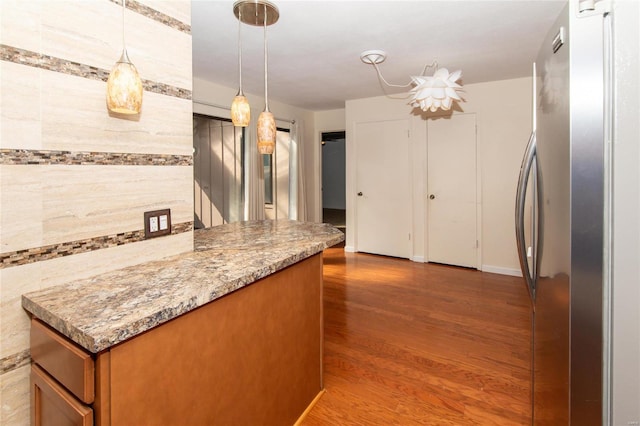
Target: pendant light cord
point(434, 64)
point(240, 48)
point(266, 73)
point(124, 6)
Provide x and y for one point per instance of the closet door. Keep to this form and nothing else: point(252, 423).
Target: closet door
point(452, 187)
point(383, 188)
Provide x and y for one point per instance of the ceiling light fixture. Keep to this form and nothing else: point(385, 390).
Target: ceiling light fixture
point(240, 109)
point(124, 87)
point(428, 92)
point(264, 13)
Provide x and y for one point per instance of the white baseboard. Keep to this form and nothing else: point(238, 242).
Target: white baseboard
point(349, 249)
point(419, 259)
point(502, 271)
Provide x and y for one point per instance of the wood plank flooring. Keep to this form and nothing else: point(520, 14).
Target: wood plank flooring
point(422, 344)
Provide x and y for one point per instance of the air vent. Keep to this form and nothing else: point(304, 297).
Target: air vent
point(558, 40)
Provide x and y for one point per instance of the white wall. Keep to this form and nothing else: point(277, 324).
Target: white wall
point(504, 126)
point(503, 112)
point(626, 215)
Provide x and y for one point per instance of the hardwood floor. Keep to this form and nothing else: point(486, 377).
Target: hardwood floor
point(422, 344)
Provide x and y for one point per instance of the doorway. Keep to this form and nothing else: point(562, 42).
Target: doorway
point(452, 208)
point(334, 200)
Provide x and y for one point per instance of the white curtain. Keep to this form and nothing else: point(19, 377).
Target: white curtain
point(297, 195)
point(254, 178)
point(254, 188)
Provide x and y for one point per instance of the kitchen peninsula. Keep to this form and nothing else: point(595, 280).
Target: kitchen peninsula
point(230, 333)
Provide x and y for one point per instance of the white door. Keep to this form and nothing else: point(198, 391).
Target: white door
point(383, 188)
point(451, 193)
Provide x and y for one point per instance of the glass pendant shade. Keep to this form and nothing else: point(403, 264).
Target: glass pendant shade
point(240, 111)
point(124, 87)
point(266, 133)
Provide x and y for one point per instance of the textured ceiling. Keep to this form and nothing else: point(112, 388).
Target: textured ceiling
point(314, 48)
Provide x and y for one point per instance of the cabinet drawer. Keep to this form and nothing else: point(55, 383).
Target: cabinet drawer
point(65, 361)
point(51, 404)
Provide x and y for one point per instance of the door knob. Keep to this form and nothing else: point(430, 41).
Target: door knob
point(359, 194)
point(431, 197)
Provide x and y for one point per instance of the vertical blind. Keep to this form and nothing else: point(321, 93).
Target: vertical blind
point(218, 171)
point(226, 185)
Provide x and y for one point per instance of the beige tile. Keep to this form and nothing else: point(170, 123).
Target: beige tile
point(91, 33)
point(159, 52)
point(14, 393)
point(75, 118)
point(88, 201)
point(20, 21)
point(14, 321)
point(70, 268)
point(54, 111)
point(178, 9)
point(84, 32)
point(43, 205)
point(165, 127)
point(20, 120)
point(21, 207)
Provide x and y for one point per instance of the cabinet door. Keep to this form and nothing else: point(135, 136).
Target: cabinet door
point(51, 404)
point(63, 360)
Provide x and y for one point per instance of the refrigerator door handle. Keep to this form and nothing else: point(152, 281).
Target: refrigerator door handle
point(521, 192)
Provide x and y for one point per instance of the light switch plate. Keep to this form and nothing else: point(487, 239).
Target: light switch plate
point(157, 223)
point(164, 223)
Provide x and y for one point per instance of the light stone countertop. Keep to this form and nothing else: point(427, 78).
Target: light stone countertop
point(110, 308)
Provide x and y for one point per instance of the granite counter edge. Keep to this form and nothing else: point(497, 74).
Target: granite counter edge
point(98, 342)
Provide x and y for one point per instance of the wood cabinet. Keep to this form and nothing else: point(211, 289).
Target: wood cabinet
point(253, 356)
point(62, 379)
point(53, 405)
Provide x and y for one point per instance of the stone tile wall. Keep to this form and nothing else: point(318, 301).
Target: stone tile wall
point(74, 179)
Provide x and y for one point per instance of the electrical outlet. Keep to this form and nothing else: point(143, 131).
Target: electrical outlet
point(157, 223)
point(153, 224)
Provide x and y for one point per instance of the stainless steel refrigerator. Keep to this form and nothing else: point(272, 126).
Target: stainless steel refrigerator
point(562, 230)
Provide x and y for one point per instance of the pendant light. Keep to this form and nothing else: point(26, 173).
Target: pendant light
point(124, 87)
point(264, 13)
point(240, 109)
point(266, 121)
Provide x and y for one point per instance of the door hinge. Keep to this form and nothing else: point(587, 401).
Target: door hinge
point(477, 244)
point(408, 133)
point(409, 237)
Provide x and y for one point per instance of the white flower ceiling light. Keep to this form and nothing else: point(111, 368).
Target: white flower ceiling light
point(428, 92)
point(439, 91)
